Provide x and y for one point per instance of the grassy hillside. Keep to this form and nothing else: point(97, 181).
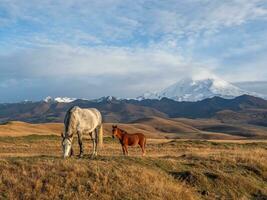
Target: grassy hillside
point(167, 125)
point(153, 127)
point(172, 169)
point(82, 179)
point(17, 128)
point(236, 129)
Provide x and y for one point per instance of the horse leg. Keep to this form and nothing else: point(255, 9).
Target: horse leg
point(96, 140)
point(143, 149)
point(93, 137)
point(126, 150)
point(123, 150)
point(80, 144)
point(142, 145)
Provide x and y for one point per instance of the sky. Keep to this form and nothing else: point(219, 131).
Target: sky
point(123, 48)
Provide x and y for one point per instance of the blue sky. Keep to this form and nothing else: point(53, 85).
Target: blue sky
point(92, 48)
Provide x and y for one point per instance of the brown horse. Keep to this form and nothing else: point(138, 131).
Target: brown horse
point(127, 139)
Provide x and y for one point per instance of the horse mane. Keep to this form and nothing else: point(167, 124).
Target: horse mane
point(67, 120)
point(123, 131)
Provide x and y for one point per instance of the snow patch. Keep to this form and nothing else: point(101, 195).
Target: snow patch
point(59, 99)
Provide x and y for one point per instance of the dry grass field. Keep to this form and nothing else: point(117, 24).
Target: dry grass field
point(17, 128)
point(31, 166)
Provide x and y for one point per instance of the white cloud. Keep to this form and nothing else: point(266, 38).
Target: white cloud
point(118, 19)
point(147, 44)
point(65, 60)
point(126, 72)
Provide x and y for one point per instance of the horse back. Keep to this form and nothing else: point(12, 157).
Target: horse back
point(90, 118)
point(135, 138)
point(86, 119)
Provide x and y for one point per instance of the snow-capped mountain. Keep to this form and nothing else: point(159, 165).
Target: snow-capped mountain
point(59, 99)
point(189, 89)
point(105, 99)
point(198, 89)
point(69, 100)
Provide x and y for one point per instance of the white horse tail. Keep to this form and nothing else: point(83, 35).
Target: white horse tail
point(100, 136)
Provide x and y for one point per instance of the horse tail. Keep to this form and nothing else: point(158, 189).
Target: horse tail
point(100, 136)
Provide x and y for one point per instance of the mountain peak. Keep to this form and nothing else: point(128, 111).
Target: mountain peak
point(193, 89)
point(49, 99)
point(105, 99)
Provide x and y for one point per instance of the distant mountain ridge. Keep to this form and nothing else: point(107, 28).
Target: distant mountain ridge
point(245, 109)
point(50, 99)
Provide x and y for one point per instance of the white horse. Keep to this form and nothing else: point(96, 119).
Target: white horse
point(82, 121)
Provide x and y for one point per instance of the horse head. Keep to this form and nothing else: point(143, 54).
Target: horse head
point(114, 131)
point(67, 145)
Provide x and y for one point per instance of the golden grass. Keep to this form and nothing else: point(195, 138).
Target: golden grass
point(81, 179)
point(17, 128)
point(31, 167)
